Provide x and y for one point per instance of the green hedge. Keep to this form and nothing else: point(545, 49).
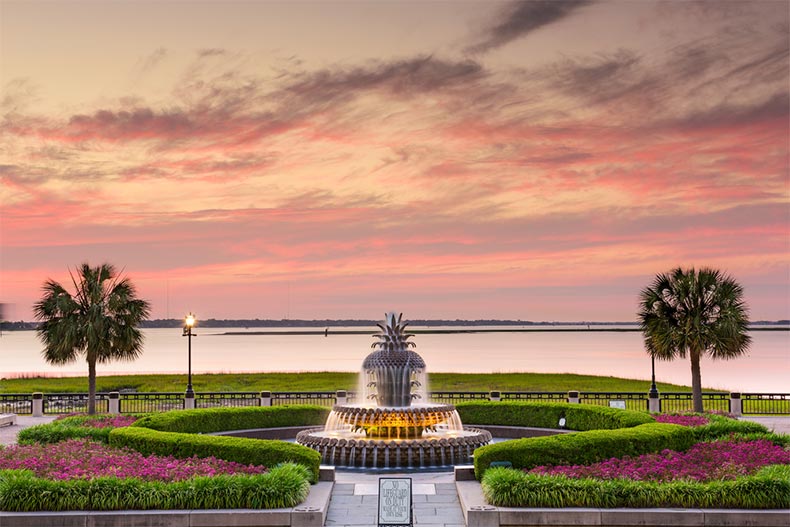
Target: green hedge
point(73, 427)
point(584, 447)
point(547, 415)
point(719, 426)
point(57, 431)
point(242, 450)
point(208, 420)
point(514, 488)
point(283, 486)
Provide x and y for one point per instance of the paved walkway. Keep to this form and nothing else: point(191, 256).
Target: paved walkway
point(8, 433)
point(354, 499)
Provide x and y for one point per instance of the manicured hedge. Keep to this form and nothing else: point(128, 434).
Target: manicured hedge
point(514, 488)
point(719, 426)
point(547, 415)
point(73, 427)
point(584, 447)
point(283, 486)
point(208, 420)
point(242, 450)
point(58, 431)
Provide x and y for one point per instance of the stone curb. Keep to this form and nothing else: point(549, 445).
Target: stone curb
point(311, 513)
point(478, 513)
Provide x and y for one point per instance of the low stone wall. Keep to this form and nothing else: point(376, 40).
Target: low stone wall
point(311, 513)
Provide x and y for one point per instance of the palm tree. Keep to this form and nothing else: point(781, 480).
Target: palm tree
point(99, 321)
point(694, 313)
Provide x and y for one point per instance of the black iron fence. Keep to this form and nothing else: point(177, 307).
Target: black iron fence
point(16, 403)
point(765, 403)
point(671, 402)
point(137, 402)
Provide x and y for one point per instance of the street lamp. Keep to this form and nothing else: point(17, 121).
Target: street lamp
point(189, 321)
point(653, 393)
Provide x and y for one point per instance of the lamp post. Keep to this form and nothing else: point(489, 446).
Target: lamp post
point(189, 321)
point(653, 393)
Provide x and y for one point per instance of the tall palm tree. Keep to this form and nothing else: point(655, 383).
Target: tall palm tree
point(694, 313)
point(98, 321)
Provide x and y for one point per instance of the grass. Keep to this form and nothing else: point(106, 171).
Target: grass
point(330, 381)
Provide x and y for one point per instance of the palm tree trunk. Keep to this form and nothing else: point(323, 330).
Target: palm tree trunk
point(91, 386)
point(696, 381)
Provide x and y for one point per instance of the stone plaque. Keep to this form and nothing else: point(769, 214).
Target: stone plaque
point(395, 502)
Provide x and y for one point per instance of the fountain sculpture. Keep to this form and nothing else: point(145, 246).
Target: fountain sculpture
point(392, 428)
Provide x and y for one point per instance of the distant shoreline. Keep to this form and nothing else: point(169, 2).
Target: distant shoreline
point(330, 331)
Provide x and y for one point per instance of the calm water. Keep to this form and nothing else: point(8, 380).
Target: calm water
point(765, 369)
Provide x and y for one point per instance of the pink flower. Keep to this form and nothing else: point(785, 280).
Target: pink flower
point(702, 462)
point(85, 459)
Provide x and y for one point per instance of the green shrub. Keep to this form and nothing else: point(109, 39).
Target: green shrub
point(72, 427)
point(775, 472)
point(719, 426)
point(547, 415)
point(514, 488)
point(57, 431)
point(283, 486)
point(584, 447)
point(208, 420)
point(264, 452)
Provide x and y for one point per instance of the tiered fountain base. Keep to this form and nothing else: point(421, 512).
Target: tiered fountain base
point(419, 436)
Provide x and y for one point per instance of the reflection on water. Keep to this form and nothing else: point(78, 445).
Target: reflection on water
point(621, 354)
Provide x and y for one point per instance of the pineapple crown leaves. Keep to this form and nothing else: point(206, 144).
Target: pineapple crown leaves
point(392, 336)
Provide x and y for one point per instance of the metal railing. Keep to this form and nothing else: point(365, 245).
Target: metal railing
point(765, 403)
point(16, 403)
point(458, 397)
point(219, 399)
point(629, 400)
point(549, 397)
point(142, 402)
point(138, 402)
point(67, 403)
point(319, 398)
point(671, 402)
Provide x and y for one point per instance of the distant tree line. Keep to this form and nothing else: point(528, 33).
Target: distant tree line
point(299, 323)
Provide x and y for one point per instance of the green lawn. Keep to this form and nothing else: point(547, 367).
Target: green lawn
point(330, 381)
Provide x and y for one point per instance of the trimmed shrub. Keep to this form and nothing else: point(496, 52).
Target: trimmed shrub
point(241, 450)
point(209, 420)
point(719, 426)
point(547, 415)
point(283, 486)
point(584, 447)
point(513, 488)
point(95, 427)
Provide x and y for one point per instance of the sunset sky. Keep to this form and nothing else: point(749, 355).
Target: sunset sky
point(455, 159)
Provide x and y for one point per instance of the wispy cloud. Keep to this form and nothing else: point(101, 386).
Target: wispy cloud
point(520, 18)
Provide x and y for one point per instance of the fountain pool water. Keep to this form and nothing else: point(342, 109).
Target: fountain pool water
point(389, 429)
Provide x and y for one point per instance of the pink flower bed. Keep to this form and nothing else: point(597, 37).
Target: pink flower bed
point(116, 421)
point(685, 420)
point(702, 462)
point(84, 459)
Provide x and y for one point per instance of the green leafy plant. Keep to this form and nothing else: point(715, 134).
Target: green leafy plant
point(513, 488)
point(584, 447)
point(283, 486)
point(241, 450)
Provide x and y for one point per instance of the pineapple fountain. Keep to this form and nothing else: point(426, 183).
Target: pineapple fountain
point(394, 427)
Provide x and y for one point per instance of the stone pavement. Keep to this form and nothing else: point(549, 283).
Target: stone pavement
point(8, 433)
point(354, 499)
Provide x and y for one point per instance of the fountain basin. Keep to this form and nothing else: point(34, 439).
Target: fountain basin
point(433, 449)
